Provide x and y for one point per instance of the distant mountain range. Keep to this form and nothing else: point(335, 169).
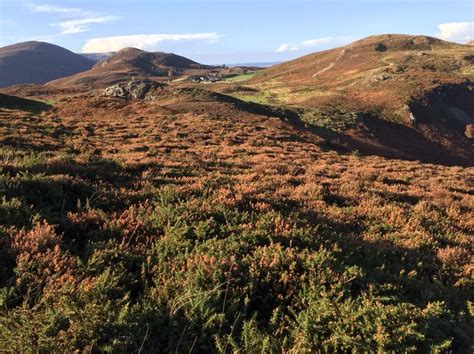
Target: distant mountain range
point(255, 65)
point(97, 57)
point(38, 62)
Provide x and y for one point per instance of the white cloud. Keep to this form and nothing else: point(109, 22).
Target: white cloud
point(70, 19)
point(82, 24)
point(287, 47)
point(456, 31)
point(143, 41)
point(312, 43)
point(53, 9)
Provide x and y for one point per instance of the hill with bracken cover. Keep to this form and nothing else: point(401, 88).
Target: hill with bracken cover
point(390, 71)
point(131, 63)
point(394, 95)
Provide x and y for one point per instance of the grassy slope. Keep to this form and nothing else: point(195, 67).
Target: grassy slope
point(240, 78)
point(190, 224)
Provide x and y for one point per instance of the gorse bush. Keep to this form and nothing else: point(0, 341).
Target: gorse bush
point(258, 248)
point(214, 278)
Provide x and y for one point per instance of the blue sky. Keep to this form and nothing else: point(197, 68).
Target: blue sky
point(228, 31)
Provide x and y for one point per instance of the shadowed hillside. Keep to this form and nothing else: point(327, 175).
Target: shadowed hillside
point(21, 104)
point(38, 62)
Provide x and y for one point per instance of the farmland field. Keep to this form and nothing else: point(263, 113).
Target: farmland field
point(240, 78)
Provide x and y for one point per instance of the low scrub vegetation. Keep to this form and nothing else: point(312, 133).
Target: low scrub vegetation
point(174, 231)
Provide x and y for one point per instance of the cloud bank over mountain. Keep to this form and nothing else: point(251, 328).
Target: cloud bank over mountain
point(148, 42)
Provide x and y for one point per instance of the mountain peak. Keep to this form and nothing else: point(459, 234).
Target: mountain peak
point(136, 63)
point(130, 50)
point(400, 42)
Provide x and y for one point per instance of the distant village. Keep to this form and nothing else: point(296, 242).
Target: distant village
point(206, 78)
point(222, 74)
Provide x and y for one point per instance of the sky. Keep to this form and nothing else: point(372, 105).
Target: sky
point(228, 31)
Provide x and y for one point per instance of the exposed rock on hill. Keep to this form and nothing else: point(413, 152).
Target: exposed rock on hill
point(136, 89)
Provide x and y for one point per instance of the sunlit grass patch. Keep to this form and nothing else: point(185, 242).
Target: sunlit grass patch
point(240, 78)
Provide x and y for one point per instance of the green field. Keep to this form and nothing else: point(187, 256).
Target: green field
point(240, 78)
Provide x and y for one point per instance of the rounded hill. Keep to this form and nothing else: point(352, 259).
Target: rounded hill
point(38, 62)
point(404, 89)
point(133, 63)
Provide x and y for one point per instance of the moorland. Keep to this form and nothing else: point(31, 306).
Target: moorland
point(277, 211)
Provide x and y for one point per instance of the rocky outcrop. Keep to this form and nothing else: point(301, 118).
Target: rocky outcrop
point(136, 89)
point(469, 132)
